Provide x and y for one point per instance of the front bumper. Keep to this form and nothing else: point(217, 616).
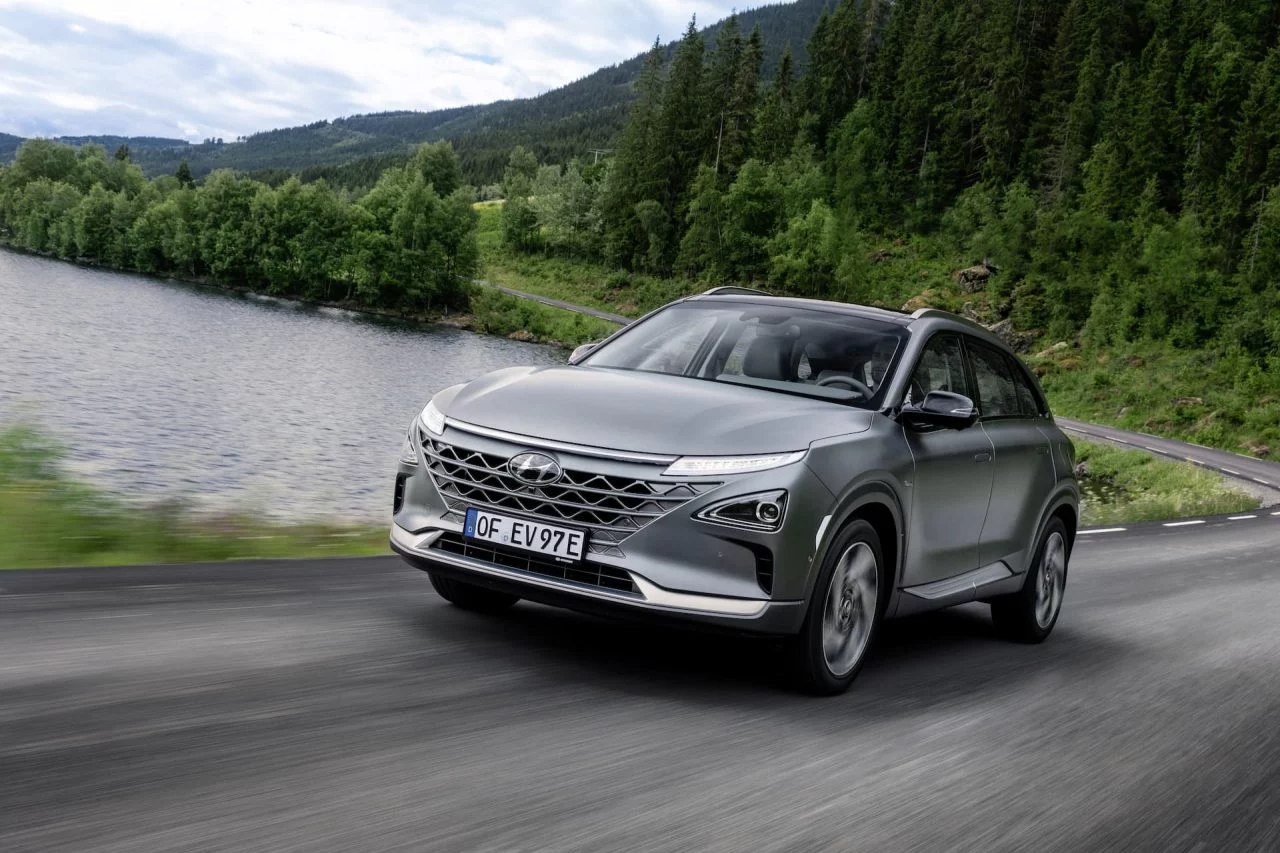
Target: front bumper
point(650, 602)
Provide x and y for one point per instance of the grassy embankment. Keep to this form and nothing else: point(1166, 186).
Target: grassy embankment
point(47, 518)
point(1196, 396)
point(1126, 486)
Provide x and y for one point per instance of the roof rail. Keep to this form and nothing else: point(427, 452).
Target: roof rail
point(734, 290)
point(921, 313)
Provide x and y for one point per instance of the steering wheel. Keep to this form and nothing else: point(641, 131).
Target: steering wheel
point(853, 384)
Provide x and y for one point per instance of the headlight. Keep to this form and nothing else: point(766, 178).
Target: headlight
point(408, 453)
point(763, 511)
point(705, 466)
point(432, 419)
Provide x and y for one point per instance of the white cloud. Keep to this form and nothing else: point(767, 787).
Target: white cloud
point(237, 66)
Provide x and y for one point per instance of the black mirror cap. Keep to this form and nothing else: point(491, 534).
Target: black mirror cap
point(582, 352)
point(942, 409)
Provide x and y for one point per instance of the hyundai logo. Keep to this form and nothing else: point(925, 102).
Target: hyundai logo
point(536, 469)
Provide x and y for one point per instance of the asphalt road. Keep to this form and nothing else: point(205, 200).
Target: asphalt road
point(340, 705)
point(557, 303)
point(1258, 472)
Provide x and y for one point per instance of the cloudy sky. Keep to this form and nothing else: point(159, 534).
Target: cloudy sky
point(202, 68)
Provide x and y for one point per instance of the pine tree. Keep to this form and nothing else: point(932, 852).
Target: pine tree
point(678, 147)
point(737, 121)
point(776, 122)
point(183, 174)
point(632, 177)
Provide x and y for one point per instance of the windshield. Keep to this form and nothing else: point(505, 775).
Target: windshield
point(828, 355)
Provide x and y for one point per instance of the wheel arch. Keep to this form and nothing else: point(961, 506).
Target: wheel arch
point(878, 505)
point(1064, 505)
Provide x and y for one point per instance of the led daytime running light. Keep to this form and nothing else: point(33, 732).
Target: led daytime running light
point(705, 466)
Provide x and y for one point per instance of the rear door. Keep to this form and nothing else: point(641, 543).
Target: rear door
point(1012, 413)
point(953, 474)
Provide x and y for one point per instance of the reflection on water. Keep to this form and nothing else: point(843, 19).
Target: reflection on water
point(159, 389)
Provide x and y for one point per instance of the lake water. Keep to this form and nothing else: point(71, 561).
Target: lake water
point(159, 389)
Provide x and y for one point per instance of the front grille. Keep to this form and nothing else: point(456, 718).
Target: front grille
point(591, 574)
point(611, 508)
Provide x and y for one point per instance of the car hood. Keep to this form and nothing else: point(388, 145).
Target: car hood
point(646, 412)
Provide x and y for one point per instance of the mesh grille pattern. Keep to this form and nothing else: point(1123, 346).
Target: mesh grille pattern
point(611, 508)
point(591, 574)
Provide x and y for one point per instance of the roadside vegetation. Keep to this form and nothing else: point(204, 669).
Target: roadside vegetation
point(405, 246)
point(48, 518)
point(1127, 486)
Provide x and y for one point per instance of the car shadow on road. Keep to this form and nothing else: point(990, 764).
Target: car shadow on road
point(920, 661)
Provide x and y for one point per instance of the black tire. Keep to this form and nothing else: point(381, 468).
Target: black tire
point(1015, 615)
point(472, 597)
point(809, 665)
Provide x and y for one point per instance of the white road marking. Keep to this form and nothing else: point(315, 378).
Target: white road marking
point(1262, 481)
point(1152, 449)
point(1183, 523)
point(1109, 530)
point(1275, 513)
point(1240, 517)
point(1229, 471)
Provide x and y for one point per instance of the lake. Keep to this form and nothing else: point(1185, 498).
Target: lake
point(167, 390)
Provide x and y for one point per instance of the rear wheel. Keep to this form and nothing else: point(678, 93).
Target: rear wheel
point(1028, 616)
point(471, 597)
point(844, 614)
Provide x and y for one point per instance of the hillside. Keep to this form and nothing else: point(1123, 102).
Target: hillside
point(556, 126)
point(137, 144)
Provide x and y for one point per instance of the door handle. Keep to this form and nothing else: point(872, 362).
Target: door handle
point(984, 456)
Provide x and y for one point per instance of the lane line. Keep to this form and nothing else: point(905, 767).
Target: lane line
point(1240, 517)
point(1262, 481)
point(1152, 449)
point(1275, 513)
point(1183, 523)
point(1109, 530)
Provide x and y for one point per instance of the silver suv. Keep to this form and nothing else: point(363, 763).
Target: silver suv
point(764, 464)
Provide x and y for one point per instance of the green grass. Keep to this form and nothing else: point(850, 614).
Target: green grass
point(573, 280)
point(1127, 486)
point(49, 519)
point(496, 313)
point(1195, 396)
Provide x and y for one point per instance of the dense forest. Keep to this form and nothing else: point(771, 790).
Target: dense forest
point(407, 245)
point(1117, 164)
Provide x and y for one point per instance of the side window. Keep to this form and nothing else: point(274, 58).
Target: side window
point(941, 368)
point(997, 394)
point(1028, 401)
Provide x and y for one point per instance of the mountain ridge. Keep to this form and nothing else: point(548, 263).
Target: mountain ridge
point(557, 125)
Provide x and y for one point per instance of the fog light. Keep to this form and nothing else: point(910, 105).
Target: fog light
point(768, 512)
point(763, 511)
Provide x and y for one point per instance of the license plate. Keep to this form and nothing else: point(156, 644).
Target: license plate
point(562, 542)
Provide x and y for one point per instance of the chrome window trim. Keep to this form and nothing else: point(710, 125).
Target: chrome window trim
point(562, 446)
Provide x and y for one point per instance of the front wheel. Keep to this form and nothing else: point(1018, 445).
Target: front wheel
point(844, 614)
point(471, 597)
point(1028, 615)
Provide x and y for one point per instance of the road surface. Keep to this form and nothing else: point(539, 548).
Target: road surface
point(340, 705)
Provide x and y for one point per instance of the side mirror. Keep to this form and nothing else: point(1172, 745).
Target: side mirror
point(941, 409)
point(582, 352)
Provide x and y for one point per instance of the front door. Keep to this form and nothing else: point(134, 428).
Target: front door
point(953, 478)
